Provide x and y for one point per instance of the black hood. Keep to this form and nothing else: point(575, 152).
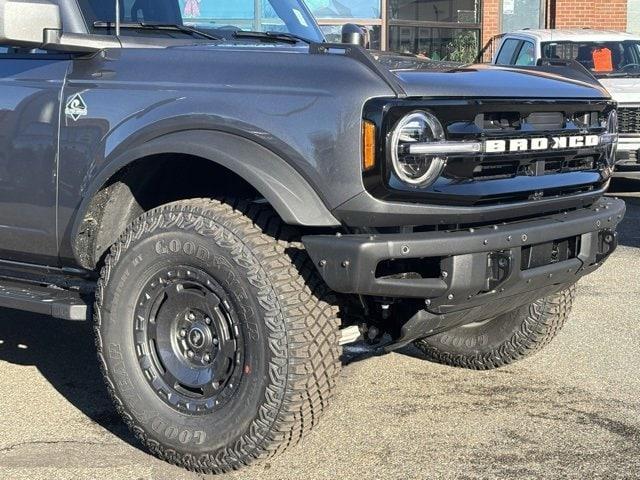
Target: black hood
point(421, 77)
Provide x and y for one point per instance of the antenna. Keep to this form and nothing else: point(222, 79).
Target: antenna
point(117, 18)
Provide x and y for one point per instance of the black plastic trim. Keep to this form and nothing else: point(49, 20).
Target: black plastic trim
point(348, 262)
point(364, 210)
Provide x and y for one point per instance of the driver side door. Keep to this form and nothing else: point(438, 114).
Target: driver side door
point(30, 88)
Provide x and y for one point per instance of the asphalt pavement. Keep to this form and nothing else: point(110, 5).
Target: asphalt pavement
point(572, 411)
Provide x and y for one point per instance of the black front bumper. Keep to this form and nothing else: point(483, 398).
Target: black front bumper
point(477, 265)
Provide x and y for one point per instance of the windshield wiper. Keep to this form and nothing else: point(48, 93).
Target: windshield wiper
point(157, 26)
point(275, 36)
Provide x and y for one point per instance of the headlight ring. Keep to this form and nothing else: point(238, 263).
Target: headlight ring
point(417, 170)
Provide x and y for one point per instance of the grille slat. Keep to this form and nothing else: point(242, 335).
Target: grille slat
point(629, 120)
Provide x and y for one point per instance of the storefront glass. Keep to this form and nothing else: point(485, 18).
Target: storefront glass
point(345, 9)
point(453, 11)
point(452, 44)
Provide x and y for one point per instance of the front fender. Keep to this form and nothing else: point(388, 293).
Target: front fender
point(283, 187)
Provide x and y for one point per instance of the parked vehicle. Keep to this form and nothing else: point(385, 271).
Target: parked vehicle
point(612, 57)
point(231, 197)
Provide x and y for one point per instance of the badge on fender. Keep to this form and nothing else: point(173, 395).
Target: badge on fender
point(76, 107)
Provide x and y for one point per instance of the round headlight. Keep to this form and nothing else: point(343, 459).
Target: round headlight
point(417, 170)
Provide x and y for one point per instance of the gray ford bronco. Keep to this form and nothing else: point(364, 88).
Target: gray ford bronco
point(223, 197)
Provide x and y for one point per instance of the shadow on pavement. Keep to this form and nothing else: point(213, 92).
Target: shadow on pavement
point(64, 353)
point(629, 229)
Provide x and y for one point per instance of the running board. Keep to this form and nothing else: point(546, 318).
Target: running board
point(58, 303)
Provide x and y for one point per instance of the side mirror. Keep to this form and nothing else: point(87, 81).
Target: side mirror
point(353, 34)
point(25, 23)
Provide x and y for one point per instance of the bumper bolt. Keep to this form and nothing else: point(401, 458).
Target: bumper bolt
point(427, 302)
point(445, 274)
point(346, 264)
point(450, 297)
point(322, 263)
point(525, 237)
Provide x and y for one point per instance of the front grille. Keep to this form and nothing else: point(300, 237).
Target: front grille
point(533, 167)
point(499, 178)
point(629, 120)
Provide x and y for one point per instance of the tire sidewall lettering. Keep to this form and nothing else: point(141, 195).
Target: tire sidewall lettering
point(172, 432)
point(176, 246)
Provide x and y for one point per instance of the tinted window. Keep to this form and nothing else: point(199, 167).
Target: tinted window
point(527, 55)
point(601, 58)
point(507, 51)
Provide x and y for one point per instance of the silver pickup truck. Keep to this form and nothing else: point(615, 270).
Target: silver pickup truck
point(612, 57)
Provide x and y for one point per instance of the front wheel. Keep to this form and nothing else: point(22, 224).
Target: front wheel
point(217, 339)
point(502, 340)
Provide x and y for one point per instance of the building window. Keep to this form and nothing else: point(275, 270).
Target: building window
point(361, 9)
point(437, 43)
point(450, 11)
point(438, 29)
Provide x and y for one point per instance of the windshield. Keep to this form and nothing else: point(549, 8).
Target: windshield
point(220, 17)
point(603, 59)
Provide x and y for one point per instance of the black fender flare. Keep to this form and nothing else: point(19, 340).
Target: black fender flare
point(286, 190)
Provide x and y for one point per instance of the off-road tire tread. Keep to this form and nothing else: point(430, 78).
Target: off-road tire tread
point(544, 320)
point(303, 331)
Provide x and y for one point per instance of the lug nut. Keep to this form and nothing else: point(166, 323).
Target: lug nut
point(207, 321)
point(183, 333)
point(190, 354)
point(215, 341)
point(191, 316)
point(207, 358)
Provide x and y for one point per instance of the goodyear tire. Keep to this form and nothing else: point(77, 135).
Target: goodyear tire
point(502, 340)
point(217, 339)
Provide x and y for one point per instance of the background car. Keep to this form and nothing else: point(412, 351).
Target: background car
point(612, 57)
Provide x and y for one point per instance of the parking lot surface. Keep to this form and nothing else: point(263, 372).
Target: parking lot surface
point(572, 411)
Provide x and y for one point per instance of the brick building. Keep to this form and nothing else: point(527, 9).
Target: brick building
point(499, 15)
point(441, 29)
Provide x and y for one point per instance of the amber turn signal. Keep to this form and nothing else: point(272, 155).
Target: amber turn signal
point(368, 145)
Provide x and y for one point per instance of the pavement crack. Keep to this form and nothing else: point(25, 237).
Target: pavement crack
point(51, 442)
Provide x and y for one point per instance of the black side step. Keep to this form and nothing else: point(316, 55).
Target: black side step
point(58, 303)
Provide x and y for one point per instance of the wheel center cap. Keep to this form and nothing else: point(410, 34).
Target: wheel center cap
point(196, 338)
